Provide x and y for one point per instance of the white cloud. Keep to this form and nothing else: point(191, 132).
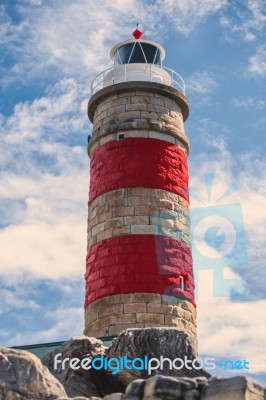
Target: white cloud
point(233, 329)
point(247, 103)
point(49, 237)
point(248, 172)
point(65, 323)
point(78, 43)
point(246, 21)
point(201, 82)
point(187, 14)
point(59, 111)
point(257, 63)
point(200, 86)
point(10, 303)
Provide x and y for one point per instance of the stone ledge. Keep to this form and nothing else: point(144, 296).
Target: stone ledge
point(134, 86)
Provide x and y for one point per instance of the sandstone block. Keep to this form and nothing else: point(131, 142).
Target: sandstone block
point(117, 202)
point(114, 223)
point(125, 319)
point(103, 216)
point(141, 99)
point(112, 309)
point(142, 230)
point(137, 220)
point(115, 299)
point(104, 235)
point(150, 318)
point(147, 298)
point(103, 323)
point(139, 201)
point(135, 307)
point(156, 308)
point(123, 230)
point(98, 228)
point(129, 115)
point(123, 211)
point(117, 329)
point(149, 114)
point(136, 107)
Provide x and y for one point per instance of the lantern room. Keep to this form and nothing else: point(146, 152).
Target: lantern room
point(138, 59)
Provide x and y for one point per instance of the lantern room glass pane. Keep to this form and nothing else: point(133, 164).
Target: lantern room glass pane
point(125, 55)
point(150, 53)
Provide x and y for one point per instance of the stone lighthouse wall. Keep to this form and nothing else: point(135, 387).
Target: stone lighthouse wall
point(139, 264)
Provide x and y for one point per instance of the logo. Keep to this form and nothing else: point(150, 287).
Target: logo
point(218, 240)
point(145, 364)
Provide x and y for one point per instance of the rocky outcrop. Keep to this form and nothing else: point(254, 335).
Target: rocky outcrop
point(132, 343)
point(169, 388)
point(171, 343)
point(23, 377)
point(81, 382)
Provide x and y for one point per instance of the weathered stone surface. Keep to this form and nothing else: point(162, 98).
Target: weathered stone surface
point(76, 382)
point(236, 388)
point(168, 388)
point(23, 377)
point(79, 398)
point(135, 390)
point(155, 342)
point(145, 212)
point(83, 382)
point(113, 396)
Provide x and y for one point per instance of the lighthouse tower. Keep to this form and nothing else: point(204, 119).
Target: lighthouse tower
point(139, 266)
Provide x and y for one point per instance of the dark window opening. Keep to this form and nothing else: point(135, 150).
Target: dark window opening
point(120, 136)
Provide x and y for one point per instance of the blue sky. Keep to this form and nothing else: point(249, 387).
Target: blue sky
point(50, 51)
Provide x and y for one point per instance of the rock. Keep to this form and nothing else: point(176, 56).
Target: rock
point(169, 388)
point(154, 342)
point(81, 382)
point(23, 377)
point(76, 382)
point(236, 388)
point(135, 390)
point(113, 396)
point(79, 398)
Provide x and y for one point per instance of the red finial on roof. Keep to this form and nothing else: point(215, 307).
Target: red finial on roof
point(137, 33)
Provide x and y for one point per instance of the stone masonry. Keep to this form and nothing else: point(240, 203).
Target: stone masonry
point(139, 263)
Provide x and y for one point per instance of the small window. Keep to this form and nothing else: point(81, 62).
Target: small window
point(182, 283)
point(120, 136)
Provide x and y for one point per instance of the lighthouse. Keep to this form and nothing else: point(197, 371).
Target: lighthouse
point(139, 270)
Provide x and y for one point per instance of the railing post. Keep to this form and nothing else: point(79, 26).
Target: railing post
point(150, 74)
point(172, 78)
point(125, 72)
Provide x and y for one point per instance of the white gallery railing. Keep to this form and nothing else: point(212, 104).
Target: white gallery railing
point(166, 76)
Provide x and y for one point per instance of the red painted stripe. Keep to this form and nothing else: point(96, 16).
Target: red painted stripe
point(138, 263)
point(138, 162)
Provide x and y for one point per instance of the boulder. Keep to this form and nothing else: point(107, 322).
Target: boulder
point(135, 390)
point(154, 342)
point(235, 388)
point(23, 377)
point(169, 388)
point(81, 382)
